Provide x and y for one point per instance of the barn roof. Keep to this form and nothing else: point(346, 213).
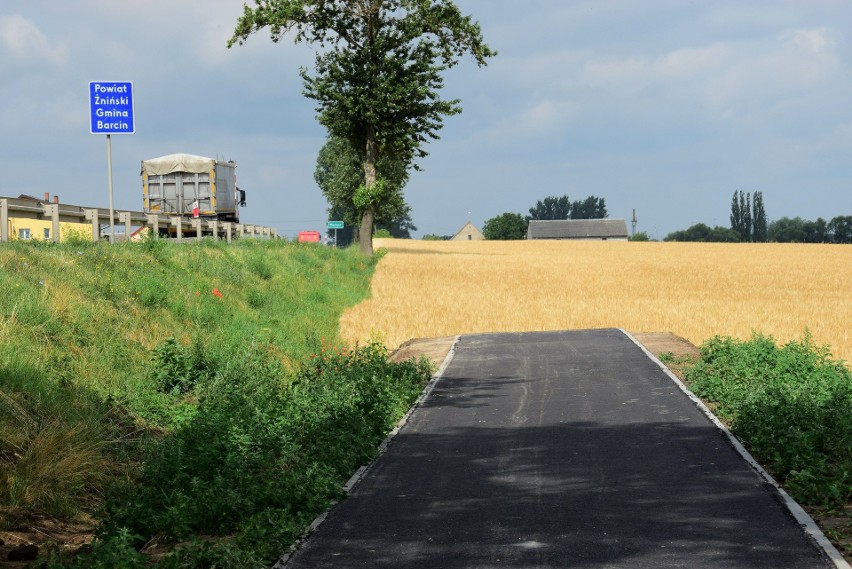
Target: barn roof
point(577, 229)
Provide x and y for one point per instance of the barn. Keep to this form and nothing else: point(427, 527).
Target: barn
point(578, 229)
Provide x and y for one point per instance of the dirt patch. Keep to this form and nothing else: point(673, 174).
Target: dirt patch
point(676, 352)
point(436, 349)
point(666, 343)
point(40, 535)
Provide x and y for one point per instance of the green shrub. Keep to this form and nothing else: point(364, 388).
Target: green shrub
point(790, 405)
point(177, 369)
point(264, 453)
point(115, 551)
point(640, 236)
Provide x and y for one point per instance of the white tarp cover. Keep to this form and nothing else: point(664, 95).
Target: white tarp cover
point(177, 163)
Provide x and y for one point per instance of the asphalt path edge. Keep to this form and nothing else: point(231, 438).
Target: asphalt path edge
point(362, 471)
point(799, 514)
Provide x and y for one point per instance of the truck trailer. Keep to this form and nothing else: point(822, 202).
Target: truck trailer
point(191, 186)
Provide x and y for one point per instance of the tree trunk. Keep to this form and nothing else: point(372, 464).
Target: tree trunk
point(365, 232)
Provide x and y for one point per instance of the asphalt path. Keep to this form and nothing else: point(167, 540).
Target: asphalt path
point(558, 449)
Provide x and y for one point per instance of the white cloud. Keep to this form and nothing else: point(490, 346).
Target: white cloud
point(691, 61)
point(623, 71)
point(547, 115)
point(22, 40)
point(720, 80)
point(814, 41)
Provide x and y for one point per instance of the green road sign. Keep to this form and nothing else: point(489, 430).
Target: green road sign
point(335, 225)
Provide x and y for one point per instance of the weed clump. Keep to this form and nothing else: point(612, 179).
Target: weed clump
point(790, 405)
point(264, 453)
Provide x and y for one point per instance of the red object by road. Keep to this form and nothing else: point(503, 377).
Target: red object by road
point(309, 237)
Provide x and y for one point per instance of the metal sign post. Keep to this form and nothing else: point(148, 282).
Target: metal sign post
point(111, 111)
point(335, 225)
point(109, 178)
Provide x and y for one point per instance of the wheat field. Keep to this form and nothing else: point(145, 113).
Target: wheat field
point(426, 289)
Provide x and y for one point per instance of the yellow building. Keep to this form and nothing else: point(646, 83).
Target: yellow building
point(26, 218)
point(29, 218)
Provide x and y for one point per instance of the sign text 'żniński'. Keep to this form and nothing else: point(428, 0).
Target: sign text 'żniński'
point(111, 105)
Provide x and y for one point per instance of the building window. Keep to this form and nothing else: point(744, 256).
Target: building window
point(47, 233)
point(23, 234)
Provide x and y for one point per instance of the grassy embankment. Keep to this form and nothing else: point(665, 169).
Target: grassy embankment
point(173, 391)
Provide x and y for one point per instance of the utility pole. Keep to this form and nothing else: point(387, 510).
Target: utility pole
point(634, 221)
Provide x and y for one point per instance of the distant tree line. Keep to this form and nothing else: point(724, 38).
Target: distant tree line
point(553, 207)
point(798, 230)
point(513, 226)
point(749, 224)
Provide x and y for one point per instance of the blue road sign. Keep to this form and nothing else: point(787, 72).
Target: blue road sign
point(111, 106)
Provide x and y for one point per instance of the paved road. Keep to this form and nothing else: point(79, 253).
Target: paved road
point(558, 449)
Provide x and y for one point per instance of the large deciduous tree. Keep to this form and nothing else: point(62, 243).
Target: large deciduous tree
point(840, 229)
point(506, 226)
point(340, 172)
point(788, 230)
point(378, 73)
point(551, 207)
point(704, 233)
point(590, 208)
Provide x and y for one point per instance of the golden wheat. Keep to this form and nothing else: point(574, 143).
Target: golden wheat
point(696, 290)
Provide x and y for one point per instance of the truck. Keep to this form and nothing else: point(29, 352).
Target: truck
point(191, 186)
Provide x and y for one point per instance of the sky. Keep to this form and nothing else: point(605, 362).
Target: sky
point(665, 107)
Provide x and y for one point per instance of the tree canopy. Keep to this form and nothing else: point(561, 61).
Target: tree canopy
point(748, 219)
point(798, 230)
point(702, 232)
point(377, 74)
point(840, 229)
point(339, 172)
point(590, 208)
point(758, 222)
point(553, 207)
point(506, 226)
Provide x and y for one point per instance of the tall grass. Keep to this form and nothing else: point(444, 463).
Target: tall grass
point(696, 290)
point(54, 452)
point(101, 344)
